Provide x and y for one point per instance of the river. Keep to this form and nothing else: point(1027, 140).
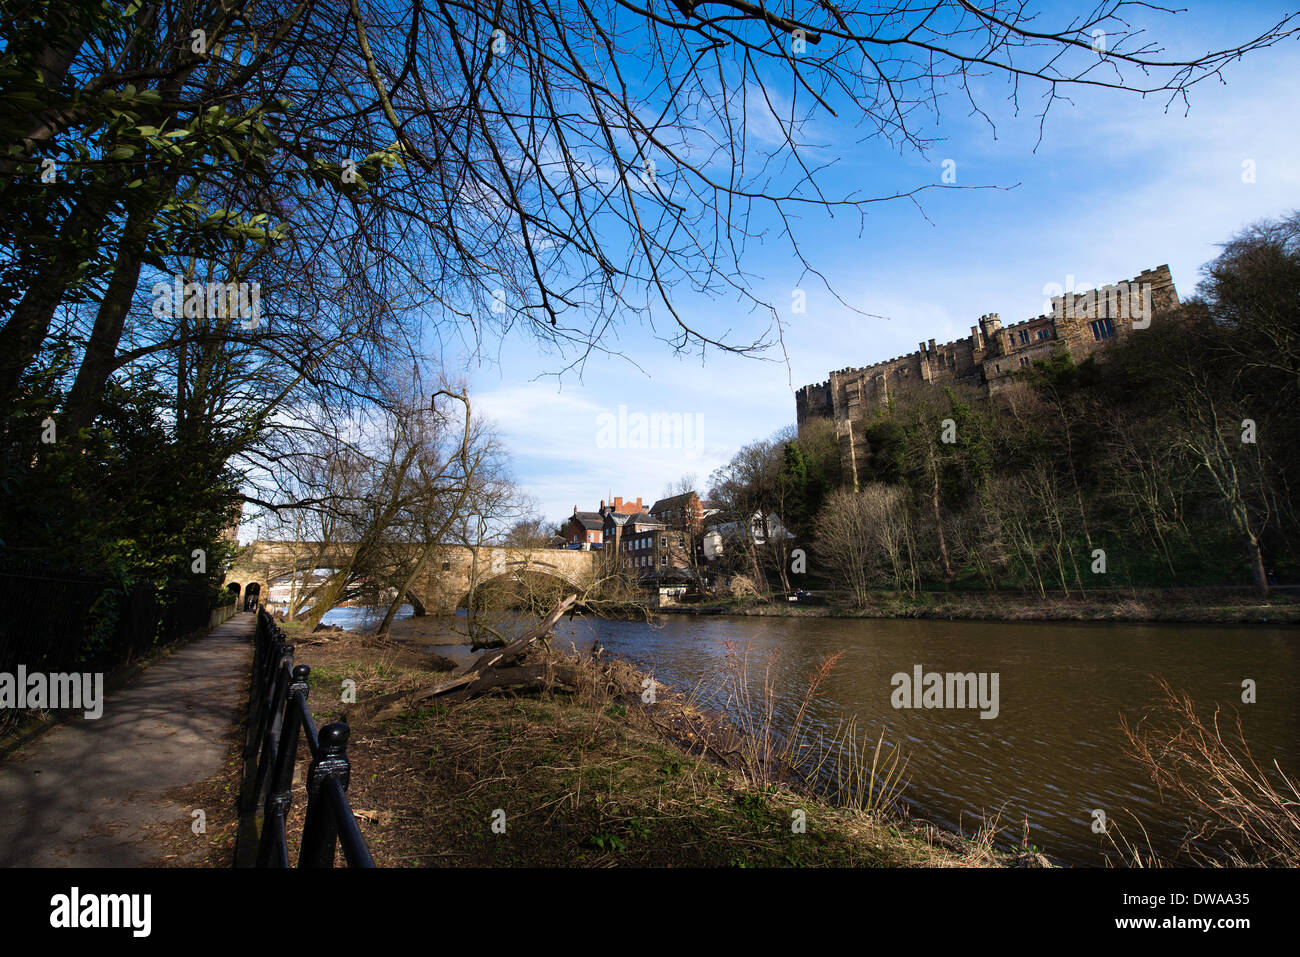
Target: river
point(1053, 755)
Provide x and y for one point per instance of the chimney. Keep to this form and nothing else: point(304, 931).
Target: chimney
point(618, 503)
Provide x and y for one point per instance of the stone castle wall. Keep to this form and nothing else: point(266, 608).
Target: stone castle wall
point(1080, 323)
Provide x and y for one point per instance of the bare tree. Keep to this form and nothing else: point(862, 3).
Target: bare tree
point(556, 166)
point(864, 538)
point(530, 532)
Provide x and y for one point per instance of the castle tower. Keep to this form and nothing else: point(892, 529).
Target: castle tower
point(988, 359)
point(990, 326)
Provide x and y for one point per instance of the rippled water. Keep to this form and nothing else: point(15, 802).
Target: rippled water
point(1054, 753)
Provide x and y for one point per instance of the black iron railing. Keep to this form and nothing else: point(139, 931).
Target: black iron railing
point(279, 719)
point(58, 619)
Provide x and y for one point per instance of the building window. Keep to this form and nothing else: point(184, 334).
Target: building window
point(1102, 329)
point(1024, 336)
point(1043, 333)
point(664, 560)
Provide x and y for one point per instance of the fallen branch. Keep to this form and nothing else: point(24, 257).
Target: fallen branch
point(492, 671)
point(499, 657)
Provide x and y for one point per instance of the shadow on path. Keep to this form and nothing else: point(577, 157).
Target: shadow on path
point(86, 793)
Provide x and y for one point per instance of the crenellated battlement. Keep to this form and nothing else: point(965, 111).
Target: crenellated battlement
point(1080, 322)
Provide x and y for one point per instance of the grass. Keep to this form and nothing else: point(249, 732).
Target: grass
point(594, 778)
point(1249, 813)
point(1219, 606)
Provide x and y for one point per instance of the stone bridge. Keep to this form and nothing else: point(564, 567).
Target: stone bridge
point(443, 586)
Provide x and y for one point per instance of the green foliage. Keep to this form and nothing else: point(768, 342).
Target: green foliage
point(610, 843)
point(1137, 450)
point(132, 498)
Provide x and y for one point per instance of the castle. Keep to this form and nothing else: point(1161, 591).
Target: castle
point(1079, 322)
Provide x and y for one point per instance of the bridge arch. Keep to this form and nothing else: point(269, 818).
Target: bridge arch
point(512, 570)
point(444, 581)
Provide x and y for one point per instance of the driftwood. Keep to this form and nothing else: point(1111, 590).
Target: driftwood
point(520, 678)
point(501, 657)
point(496, 669)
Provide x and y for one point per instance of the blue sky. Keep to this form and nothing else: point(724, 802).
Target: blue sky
point(1118, 184)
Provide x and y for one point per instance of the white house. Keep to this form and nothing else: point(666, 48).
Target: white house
point(715, 536)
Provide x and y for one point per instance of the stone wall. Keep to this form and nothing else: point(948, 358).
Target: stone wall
point(447, 575)
point(986, 359)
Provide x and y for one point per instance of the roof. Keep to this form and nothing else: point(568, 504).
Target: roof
point(673, 501)
point(644, 521)
point(592, 520)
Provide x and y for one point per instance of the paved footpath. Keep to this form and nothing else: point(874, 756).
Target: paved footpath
point(85, 794)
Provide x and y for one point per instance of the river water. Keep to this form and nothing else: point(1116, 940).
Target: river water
point(1053, 755)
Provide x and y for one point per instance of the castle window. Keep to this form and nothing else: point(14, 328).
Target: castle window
point(1024, 361)
point(1024, 336)
point(1043, 333)
point(1102, 329)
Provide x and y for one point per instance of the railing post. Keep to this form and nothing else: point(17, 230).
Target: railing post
point(273, 723)
point(320, 830)
point(278, 797)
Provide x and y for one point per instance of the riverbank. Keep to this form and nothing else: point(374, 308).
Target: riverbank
point(592, 778)
point(1207, 606)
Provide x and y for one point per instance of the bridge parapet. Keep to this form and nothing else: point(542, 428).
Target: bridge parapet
point(447, 577)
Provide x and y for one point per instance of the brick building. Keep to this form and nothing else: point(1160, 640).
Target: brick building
point(686, 511)
point(588, 529)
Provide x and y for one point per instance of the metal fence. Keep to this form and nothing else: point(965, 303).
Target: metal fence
point(279, 719)
point(58, 620)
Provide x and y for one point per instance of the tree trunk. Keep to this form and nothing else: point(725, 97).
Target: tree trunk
point(938, 515)
point(24, 332)
point(97, 364)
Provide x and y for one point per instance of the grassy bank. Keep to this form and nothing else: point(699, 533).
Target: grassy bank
point(1167, 605)
point(589, 778)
